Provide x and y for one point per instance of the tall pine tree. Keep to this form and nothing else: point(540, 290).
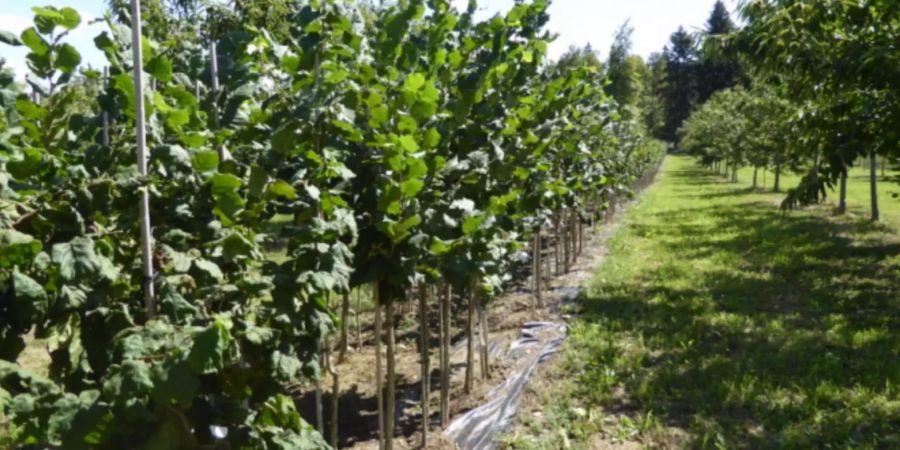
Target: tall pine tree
point(719, 65)
point(681, 88)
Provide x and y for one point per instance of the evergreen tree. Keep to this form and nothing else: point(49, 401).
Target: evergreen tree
point(621, 69)
point(719, 66)
point(681, 83)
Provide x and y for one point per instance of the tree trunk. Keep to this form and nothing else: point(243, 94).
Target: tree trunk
point(537, 268)
point(873, 185)
point(335, 397)
point(391, 375)
point(345, 327)
point(842, 203)
point(320, 420)
point(378, 373)
point(556, 250)
point(483, 336)
point(445, 356)
point(565, 241)
point(755, 171)
point(470, 341)
point(426, 365)
point(777, 187)
point(359, 343)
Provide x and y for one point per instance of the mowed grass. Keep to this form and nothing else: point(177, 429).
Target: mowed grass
point(719, 321)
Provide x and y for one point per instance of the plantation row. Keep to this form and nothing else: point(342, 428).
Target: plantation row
point(822, 95)
point(409, 147)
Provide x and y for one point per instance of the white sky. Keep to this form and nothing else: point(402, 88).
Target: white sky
point(577, 22)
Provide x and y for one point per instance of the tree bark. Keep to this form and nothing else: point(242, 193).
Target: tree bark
point(842, 203)
point(537, 268)
point(777, 187)
point(391, 375)
point(873, 185)
point(320, 420)
point(483, 336)
point(445, 355)
point(378, 373)
point(426, 363)
point(470, 341)
point(356, 313)
point(345, 327)
point(556, 242)
point(755, 172)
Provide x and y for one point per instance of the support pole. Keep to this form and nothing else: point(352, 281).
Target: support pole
point(141, 132)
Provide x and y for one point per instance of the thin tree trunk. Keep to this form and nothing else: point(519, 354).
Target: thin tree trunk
point(320, 420)
point(539, 270)
point(565, 242)
point(556, 242)
point(378, 373)
point(483, 336)
point(335, 397)
point(777, 187)
point(426, 365)
point(104, 138)
point(755, 171)
point(445, 355)
point(873, 185)
point(470, 338)
point(391, 375)
point(359, 343)
point(842, 203)
point(345, 327)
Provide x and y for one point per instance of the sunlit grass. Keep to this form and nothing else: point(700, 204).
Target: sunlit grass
point(740, 324)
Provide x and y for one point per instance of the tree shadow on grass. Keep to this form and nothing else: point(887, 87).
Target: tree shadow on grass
point(786, 336)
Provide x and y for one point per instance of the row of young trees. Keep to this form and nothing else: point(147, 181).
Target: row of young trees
point(824, 96)
point(410, 145)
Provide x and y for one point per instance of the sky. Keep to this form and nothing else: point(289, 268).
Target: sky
point(576, 22)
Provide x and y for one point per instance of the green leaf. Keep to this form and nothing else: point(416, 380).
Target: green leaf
point(70, 19)
point(78, 261)
point(432, 138)
point(471, 223)
point(411, 187)
point(30, 110)
point(159, 68)
point(281, 188)
point(67, 58)
point(206, 161)
point(17, 249)
point(409, 143)
point(26, 167)
point(35, 42)
point(229, 203)
point(414, 82)
point(175, 384)
point(210, 268)
point(9, 38)
point(208, 352)
point(257, 184)
point(30, 295)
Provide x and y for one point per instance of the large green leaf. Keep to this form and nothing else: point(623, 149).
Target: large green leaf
point(17, 249)
point(77, 261)
point(229, 202)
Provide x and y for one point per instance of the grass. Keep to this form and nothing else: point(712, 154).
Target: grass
point(718, 321)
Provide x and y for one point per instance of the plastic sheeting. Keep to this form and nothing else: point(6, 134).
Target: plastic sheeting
point(478, 428)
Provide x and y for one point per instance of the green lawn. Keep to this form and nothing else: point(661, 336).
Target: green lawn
point(858, 200)
point(720, 321)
